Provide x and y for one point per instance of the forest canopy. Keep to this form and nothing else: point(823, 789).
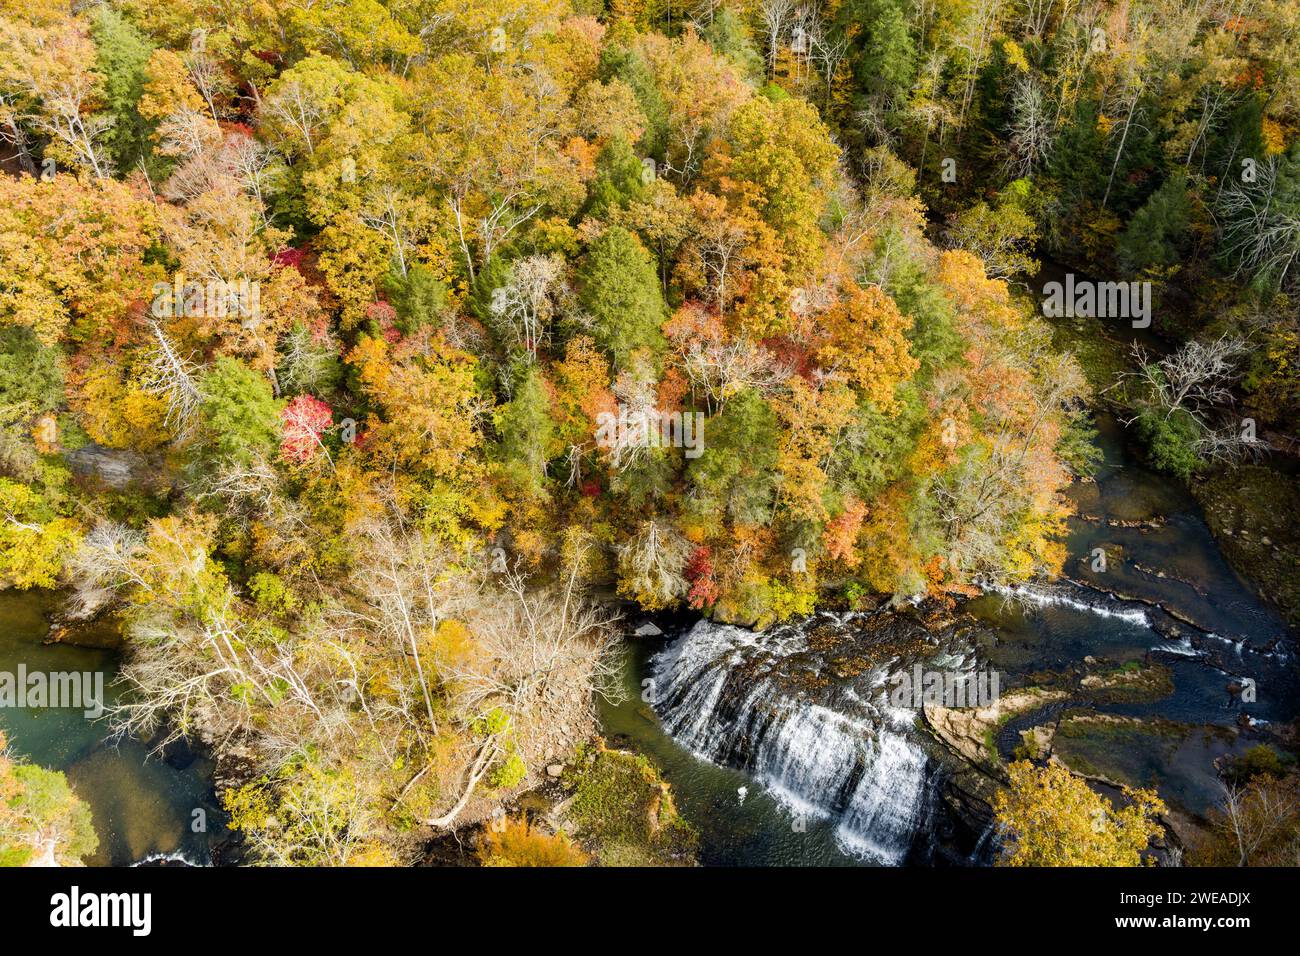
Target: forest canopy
point(349, 290)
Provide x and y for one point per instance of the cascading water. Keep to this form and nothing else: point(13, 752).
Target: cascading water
point(175, 858)
point(782, 708)
point(1043, 597)
point(804, 710)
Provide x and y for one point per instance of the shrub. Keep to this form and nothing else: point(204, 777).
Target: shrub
point(518, 843)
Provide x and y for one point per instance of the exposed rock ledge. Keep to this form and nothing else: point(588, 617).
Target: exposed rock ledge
point(116, 468)
point(968, 730)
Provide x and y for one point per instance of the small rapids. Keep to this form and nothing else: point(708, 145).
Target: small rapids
point(1179, 635)
point(1043, 597)
point(804, 710)
point(175, 858)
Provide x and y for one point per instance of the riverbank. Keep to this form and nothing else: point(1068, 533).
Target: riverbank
point(1130, 671)
point(145, 807)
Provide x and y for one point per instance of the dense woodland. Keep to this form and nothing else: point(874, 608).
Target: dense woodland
point(354, 284)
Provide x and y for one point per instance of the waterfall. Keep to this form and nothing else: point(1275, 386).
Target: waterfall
point(826, 750)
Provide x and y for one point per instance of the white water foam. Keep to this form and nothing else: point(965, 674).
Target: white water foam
point(173, 857)
point(1181, 648)
point(812, 759)
point(1045, 598)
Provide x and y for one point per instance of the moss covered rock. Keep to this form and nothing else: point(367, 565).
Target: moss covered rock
point(624, 811)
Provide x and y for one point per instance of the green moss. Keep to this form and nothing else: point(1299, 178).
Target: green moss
point(1250, 509)
point(1129, 682)
point(625, 810)
point(1102, 357)
point(1125, 750)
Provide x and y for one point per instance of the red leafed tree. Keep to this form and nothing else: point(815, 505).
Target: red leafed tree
point(384, 316)
point(289, 257)
point(699, 572)
point(305, 417)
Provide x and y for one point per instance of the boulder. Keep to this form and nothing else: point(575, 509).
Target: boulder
point(115, 467)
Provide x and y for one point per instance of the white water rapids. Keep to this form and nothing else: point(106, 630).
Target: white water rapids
point(720, 696)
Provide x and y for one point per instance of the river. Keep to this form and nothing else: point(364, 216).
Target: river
point(780, 754)
point(146, 809)
point(778, 745)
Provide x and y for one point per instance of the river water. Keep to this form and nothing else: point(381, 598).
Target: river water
point(144, 807)
point(780, 752)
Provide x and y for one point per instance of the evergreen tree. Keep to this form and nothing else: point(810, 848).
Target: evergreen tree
point(736, 474)
point(122, 58)
point(241, 416)
point(618, 179)
point(620, 291)
point(1157, 232)
point(527, 434)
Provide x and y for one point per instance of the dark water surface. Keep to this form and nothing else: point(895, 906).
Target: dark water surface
point(143, 806)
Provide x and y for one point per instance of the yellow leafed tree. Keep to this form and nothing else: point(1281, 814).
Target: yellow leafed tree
point(1050, 817)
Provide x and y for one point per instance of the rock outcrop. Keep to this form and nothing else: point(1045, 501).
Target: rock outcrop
point(968, 731)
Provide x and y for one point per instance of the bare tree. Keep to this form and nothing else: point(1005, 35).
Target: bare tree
point(704, 11)
point(95, 568)
point(775, 15)
point(404, 600)
point(976, 40)
point(1036, 15)
point(190, 134)
point(1032, 129)
point(540, 655)
point(249, 487)
point(174, 378)
point(55, 71)
point(297, 110)
point(1196, 379)
point(1226, 445)
point(307, 358)
point(1255, 814)
point(651, 563)
point(1262, 227)
point(524, 305)
point(11, 131)
point(1127, 103)
point(250, 161)
point(1215, 100)
point(719, 248)
point(722, 367)
point(827, 47)
point(206, 76)
point(980, 499)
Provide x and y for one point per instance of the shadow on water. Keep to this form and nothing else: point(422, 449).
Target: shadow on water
point(144, 806)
